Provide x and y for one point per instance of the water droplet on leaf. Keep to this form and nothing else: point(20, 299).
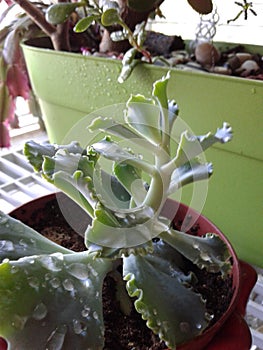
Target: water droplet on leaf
point(56, 338)
point(79, 271)
point(40, 312)
point(6, 246)
point(68, 285)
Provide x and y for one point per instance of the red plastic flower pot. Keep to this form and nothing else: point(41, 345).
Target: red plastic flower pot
point(230, 332)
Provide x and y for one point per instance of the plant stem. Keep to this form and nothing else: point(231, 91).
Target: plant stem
point(37, 16)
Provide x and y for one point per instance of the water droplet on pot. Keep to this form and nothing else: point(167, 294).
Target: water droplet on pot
point(40, 312)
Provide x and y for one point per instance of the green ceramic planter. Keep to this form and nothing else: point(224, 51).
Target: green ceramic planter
point(69, 86)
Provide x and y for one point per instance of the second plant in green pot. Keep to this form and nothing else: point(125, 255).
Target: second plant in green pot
point(56, 294)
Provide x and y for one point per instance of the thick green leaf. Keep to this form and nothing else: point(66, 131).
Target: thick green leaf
point(52, 302)
point(85, 23)
point(110, 16)
point(78, 188)
point(144, 116)
point(160, 90)
point(18, 240)
point(110, 191)
point(111, 150)
point(110, 126)
point(35, 152)
point(173, 311)
point(123, 228)
point(128, 64)
point(188, 173)
point(59, 13)
point(191, 146)
point(208, 251)
point(131, 179)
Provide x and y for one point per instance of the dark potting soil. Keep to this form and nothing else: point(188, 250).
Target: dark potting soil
point(124, 332)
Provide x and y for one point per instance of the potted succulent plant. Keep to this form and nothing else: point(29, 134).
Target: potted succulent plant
point(69, 89)
point(51, 297)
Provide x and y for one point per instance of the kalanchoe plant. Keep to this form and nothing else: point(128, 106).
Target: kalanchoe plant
point(51, 297)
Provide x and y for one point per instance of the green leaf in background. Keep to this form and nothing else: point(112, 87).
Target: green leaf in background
point(110, 16)
point(59, 13)
point(85, 23)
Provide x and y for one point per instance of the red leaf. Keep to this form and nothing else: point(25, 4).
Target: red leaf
point(17, 82)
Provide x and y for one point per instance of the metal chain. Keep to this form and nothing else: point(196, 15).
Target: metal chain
point(206, 29)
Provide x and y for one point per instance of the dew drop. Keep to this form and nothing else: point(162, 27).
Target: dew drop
point(51, 263)
point(55, 282)
point(95, 315)
point(40, 312)
point(14, 269)
point(3, 219)
point(68, 285)
point(48, 276)
point(78, 326)
point(23, 244)
point(120, 215)
point(132, 216)
point(184, 327)
point(209, 317)
point(86, 311)
point(56, 338)
point(6, 246)
point(204, 256)
point(79, 271)
point(33, 282)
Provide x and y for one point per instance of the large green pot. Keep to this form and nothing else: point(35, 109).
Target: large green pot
point(69, 86)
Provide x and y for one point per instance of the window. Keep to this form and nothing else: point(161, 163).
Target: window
point(182, 20)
